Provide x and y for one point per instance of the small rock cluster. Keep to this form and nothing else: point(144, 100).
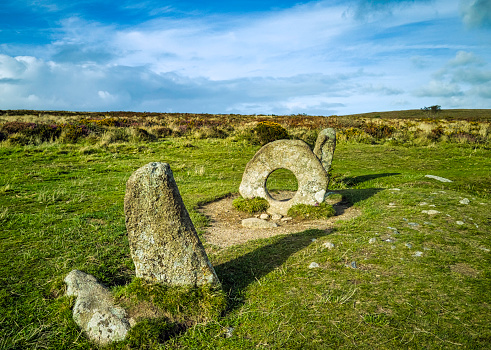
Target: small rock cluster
point(261, 221)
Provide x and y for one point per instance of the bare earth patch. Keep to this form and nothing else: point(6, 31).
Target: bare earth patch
point(226, 229)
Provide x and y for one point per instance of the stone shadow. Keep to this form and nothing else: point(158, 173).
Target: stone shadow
point(355, 180)
point(238, 273)
point(352, 196)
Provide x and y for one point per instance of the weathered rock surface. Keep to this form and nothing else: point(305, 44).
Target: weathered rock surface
point(163, 241)
point(325, 146)
point(258, 223)
point(293, 155)
point(439, 178)
point(95, 311)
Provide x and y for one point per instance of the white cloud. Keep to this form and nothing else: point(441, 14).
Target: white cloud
point(313, 58)
point(437, 88)
point(464, 58)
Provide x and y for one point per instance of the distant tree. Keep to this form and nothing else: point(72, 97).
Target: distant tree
point(432, 109)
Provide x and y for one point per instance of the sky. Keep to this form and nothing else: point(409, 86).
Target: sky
point(332, 57)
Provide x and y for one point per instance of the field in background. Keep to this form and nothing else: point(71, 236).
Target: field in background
point(413, 127)
point(397, 276)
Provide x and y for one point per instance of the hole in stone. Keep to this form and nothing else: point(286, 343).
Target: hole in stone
point(281, 184)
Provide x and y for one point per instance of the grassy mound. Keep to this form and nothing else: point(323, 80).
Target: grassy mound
point(251, 206)
point(305, 212)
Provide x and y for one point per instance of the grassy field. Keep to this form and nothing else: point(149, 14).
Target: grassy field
point(397, 277)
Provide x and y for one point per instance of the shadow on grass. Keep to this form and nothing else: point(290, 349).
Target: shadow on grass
point(355, 180)
point(236, 274)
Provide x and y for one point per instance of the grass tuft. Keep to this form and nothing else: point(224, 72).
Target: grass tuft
point(251, 206)
point(311, 212)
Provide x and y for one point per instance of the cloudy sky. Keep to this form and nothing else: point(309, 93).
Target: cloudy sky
point(256, 56)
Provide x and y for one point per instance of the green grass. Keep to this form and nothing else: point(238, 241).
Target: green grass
point(308, 212)
point(421, 281)
point(252, 205)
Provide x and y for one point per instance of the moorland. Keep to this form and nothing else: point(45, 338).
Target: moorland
point(411, 271)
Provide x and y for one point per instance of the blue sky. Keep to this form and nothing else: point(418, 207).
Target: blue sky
point(250, 57)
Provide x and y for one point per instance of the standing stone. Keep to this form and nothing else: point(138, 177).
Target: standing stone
point(94, 311)
point(163, 242)
point(325, 146)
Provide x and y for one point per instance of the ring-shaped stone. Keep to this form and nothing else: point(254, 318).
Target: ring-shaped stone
point(293, 155)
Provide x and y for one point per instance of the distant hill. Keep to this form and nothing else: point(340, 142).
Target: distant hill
point(449, 114)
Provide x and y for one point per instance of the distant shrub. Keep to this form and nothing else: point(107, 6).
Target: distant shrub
point(464, 137)
point(379, 131)
point(42, 132)
point(308, 136)
point(304, 211)
point(18, 139)
point(436, 133)
point(115, 135)
point(354, 134)
point(162, 131)
point(140, 134)
point(72, 132)
point(251, 206)
point(267, 131)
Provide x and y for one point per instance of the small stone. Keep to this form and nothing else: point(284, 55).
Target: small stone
point(314, 239)
point(415, 224)
point(464, 201)
point(264, 216)
point(329, 245)
point(423, 203)
point(418, 253)
point(95, 311)
point(485, 249)
point(276, 217)
point(286, 219)
point(393, 229)
point(313, 265)
point(430, 212)
point(409, 245)
point(441, 179)
point(392, 204)
point(388, 240)
point(229, 332)
point(392, 247)
point(372, 240)
point(394, 189)
point(432, 205)
point(258, 223)
point(459, 222)
point(353, 265)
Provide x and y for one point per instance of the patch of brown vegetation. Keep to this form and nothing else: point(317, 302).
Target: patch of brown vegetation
point(464, 269)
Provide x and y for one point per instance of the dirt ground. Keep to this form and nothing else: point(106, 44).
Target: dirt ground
point(226, 228)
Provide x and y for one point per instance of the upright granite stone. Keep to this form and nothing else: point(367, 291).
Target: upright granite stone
point(95, 311)
point(325, 146)
point(163, 241)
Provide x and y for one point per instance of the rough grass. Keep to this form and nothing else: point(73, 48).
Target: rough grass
point(309, 212)
point(394, 277)
point(251, 206)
